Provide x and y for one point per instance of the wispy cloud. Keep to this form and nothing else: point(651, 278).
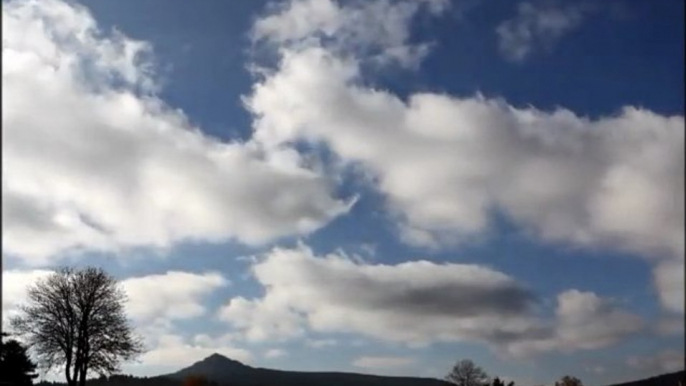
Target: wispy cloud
point(378, 29)
point(539, 26)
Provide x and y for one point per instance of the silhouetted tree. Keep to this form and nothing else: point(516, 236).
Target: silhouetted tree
point(466, 373)
point(498, 382)
point(75, 319)
point(569, 381)
point(16, 367)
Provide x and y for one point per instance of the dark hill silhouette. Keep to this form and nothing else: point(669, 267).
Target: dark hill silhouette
point(225, 371)
point(215, 367)
point(672, 379)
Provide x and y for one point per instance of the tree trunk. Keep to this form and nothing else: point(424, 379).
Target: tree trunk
point(77, 365)
point(82, 380)
point(67, 371)
point(76, 373)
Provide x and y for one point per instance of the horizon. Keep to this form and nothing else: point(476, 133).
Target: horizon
point(382, 187)
point(223, 357)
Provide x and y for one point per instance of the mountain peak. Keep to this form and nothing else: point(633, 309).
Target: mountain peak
point(217, 359)
point(215, 366)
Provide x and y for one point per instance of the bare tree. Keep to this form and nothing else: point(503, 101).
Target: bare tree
point(466, 373)
point(569, 381)
point(75, 318)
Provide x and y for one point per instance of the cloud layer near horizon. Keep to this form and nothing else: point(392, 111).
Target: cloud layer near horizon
point(417, 303)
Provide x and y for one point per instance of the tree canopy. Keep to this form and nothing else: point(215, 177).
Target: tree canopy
point(569, 381)
point(75, 319)
point(466, 373)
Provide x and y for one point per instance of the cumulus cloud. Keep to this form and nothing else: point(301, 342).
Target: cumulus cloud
point(174, 350)
point(169, 348)
point(614, 180)
point(446, 163)
point(539, 25)
point(376, 362)
point(157, 302)
point(417, 303)
point(661, 362)
point(335, 293)
point(93, 160)
point(669, 278)
point(169, 296)
point(584, 321)
point(267, 319)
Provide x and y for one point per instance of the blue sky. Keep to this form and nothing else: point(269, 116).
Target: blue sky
point(383, 186)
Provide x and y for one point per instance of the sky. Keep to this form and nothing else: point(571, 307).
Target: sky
point(383, 186)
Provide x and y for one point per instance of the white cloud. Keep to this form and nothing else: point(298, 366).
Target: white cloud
point(417, 303)
point(93, 160)
point(589, 321)
point(380, 362)
point(173, 350)
point(268, 319)
point(669, 279)
point(15, 285)
point(168, 348)
point(379, 29)
point(539, 26)
point(274, 353)
point(412, 302)
point(661, 362)
point(584, 321)
point(172, 295)
point(445, 163)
